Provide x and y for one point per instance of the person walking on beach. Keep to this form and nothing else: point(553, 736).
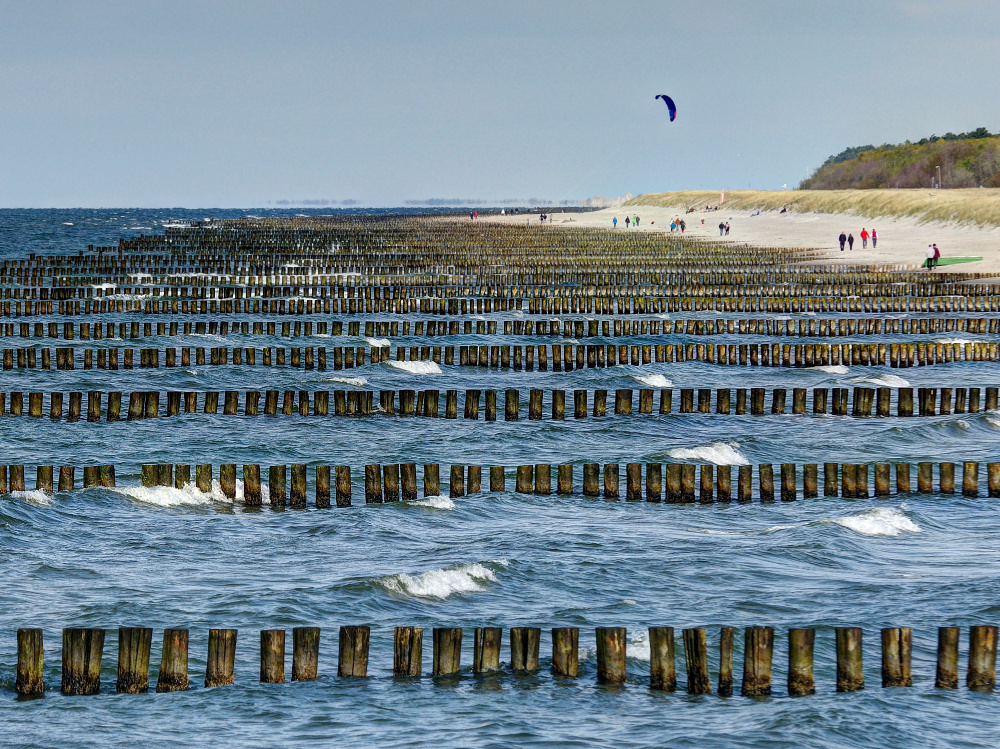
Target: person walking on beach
point(727, 228)
point(722, 228)
point(627, 221)
point(843, 240)
point(874, 239)
point(850, 241)
point(929, 262)
point(864, 238)
point(937, 255)
point(614, 222)
point(683, 226)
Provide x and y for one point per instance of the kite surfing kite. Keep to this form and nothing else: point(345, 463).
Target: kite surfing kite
point(670, 105)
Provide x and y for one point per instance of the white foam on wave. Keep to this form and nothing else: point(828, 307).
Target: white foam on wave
point(663, 316)
point(439, 502)
point(378, 342)
point(355, 381)
point(993, 419)
point(34, 497)
point(637, 646)
point(654, 380)
point(188, 495)
point(719, 453)
point(883, 380)
point(952, 340)
point(571, 341)
point(416, 367)
point(832, 369)
point(463, 578)
point(879, 521)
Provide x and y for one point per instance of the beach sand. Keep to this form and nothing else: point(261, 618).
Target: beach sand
point(900, 240)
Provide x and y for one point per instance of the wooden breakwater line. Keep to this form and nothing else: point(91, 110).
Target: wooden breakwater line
point(671, 483)
point(856, 402)
point(83, 650)
point(541, 358)
point(813, 328)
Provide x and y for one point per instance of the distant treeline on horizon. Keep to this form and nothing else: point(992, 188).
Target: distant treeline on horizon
point(969, 159)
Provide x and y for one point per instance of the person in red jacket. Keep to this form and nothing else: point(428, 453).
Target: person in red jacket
point(864, 238)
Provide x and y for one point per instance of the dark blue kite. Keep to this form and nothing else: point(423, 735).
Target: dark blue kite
point(670, 105)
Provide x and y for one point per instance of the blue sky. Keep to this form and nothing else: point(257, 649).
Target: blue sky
point(207, 104)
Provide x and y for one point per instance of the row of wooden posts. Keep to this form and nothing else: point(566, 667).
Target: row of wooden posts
point(82, 654)
point(576, 305)
point(654, 482)
point(557, 357)
point(815, 327)
point(858, 402)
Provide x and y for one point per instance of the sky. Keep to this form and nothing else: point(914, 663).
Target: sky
point(244, 104)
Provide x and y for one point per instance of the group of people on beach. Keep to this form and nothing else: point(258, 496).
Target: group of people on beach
point(629, 221)
point(723, 228)
point(865, 235)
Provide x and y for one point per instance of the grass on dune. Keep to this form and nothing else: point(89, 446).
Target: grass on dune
point(979, 206)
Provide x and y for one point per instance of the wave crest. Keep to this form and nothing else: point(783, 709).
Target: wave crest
point(653, 380)
point(416, 367)
point(879, 521)
point(719, 453)
point(464, 578)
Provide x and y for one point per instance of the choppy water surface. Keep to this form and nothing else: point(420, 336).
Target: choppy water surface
point(178, 558)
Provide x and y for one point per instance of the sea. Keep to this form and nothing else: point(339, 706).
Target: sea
point(167, 558)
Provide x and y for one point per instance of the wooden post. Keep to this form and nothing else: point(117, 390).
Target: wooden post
point(564, 479)
point(788, 491)
point(297, 496)
point(982, 673)
point(407, 651)
point(221, 657)
point(251, 486)
point(662, 665)
point(432, 480)
point(744, 485)
point(524, 643)
point(543, 479)
point(946, 475)
point(896, 645)
point(696, 660)
point(486, 649)
point(390, 482)
point(498, 479)
point(447, 655)
point(850, 669)
point(277, 482)
point(272, 656)
point(925, 483)
point(565, 651)
point(765, 477)
point(611, 481)
point(323, 487)
point(970, 479)
point(654, 482)
point(810, 480)
point(611, 655)
point(343, 474)
point(800, 661)
point(305, 653)
point(30, 680)
point(133, 659)
point(726, 635)
point(81, 661)
point(947, 658)
point(373, 484)
point(633, 481)
point(227, 480)
point(173, 676)
point(757, 654)
point(353, 656)
point(203, 478)
point(591, 480)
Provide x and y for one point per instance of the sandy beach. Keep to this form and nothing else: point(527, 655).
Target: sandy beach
point(900, 240)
